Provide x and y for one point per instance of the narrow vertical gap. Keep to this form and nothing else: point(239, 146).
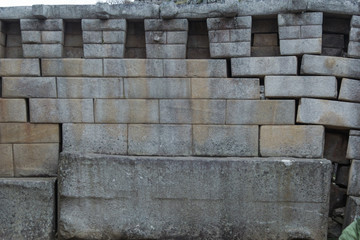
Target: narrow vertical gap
point(338, 86)
point(262, 88)
point(259, 152)
point(27, 102)
point(299, 61)
point(228, 68)
point(56, 207)
point(94, 110)
point(0, 87)
point(13, 159)
point(127, 139)
point(297, 101)
point(40, 67)
point(61, 137)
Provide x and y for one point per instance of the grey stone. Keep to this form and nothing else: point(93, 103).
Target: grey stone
point(329, 113)
point(166, 51)
point(335, 147)
point(337, 199)
point(308, 18)
point(52, 37)
point(43, 50)
point(355, 34)
point(333, 52)
point(133, 67)
point(211, 140)
point(41, 25)
point(289, 32)
point(352, 210)
point(135, 11)
point(25, 87)
point(311, 31)
point(334, 6)
point(166, 25)
point(354, 179)
point(72, 67)
point(13, 110)
point(103, 25)
point(156, 37)
point(260, 112)
point(231, 49)
point(14, 52)
point(342, 175)
point(264, 25)
point(27, 208)
point(355, 21)
point(13, 40)
point(176, 37)
point(333, 40)
point(103, 50)
point(114, 36)
point(300, 46)
point(354, 49)
point(228, 23)
point(239, 35)
point(95, 138)
point(267, 39)
point(19, 67)
point(337, 66)
point(261, 66)
point(192, 198)
point(300, 86)
point(265, 51)
point(353, 149)
point(92, 37)
point(350, 90)
point(31, 36)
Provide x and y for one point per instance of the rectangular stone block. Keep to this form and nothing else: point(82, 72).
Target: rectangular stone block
point(153, 193)
point(352, 210)
point(355, 21)
point(12, 110)
point(43, 50)
point(92, 37)
point(219, 36)
point(95, 138)
point(159, 139)
point(133, 67)
point(230, 49)
point(354, 34)
point(311, 31)
point(353, 148)
point(192, 111)
point(14, 52)
point(166, 24)
point(292, 141)
point(289, 32)
point(300, 86)
point(261, 66)
point(350, 90)
point(176, 37)
point(61, 110)
point(126, 111)
point(155, 37)
point(308, 18)
point(36, 159)
point(329, 113)
point(52, 37)
point(19, 67)
point(239, 35)
point(354, 49)
point(41, 24)
point(166, 51)
point(195, 68)
point(6, 161)
point(336, 66)
point(29, 133)
point(300, 46)
point(90, 87)
point(28, 208)
point(212, 140)
point(269, 39)
point(104, 50)
point(72, 67)
point(228, 23)
point(34, 87)
point(30, 36)
point(354, 179)
point(157, 87)
point(260, 112)
point(13, 40)
point(102, 25)
point(225, 88)
point(114, 36)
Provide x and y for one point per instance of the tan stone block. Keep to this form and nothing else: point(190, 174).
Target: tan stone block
point(72, 67)
point(6, 161)
point(36, 87)
point(36, 159)
point(19, 67)
point(12, 110)
point(195, 68)
point(29, 133)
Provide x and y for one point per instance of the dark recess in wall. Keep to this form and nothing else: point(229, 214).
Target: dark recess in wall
point(264, 37)
point(198, 41)
point(135, 40)
point(73, 41)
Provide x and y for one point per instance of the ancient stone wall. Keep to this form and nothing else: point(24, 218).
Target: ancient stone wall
point(226, 116)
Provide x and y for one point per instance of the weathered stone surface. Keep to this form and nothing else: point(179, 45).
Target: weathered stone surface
point(29, 133)
point(100, 25)
point(265, 39)
point(176, 37)
point(42, 50)
point(335, 147)
point(12, 110)
point(337, 198)
point(126, 111)
point(19, 67)
point(355, 21)
point(352, 210)
point(324, 65)
point(114, 36)
point(212, 140)
point(30, 36)
point(61, 110)
point(260, 112)
point(192, 111)
point(104, 50)
point(354, 49)
point(308, 18)
point(329, 113)
point(333, 40)
point(311, 31)
point(90, 87)
point(34, 87)
point(157, 87)
point(300, 86)
point(354, 34)
point(42, 25)
point(6, 161)
point(166, 51)
point(192, 198)
point(92, 37)
point(95, 138)
point(289, 32)
point(27, 208)
point(195, 68)
point(72, 67)
point(261, 66)
point(133, 67)
point(36, 159)
point(292, 141)
point(354, 179)
point(342, 175)
point(353, 149)
point(230, 49)
point(166, 25)
point(300, 46)
point(265, 51)
point(350, 90)
point(228, 23)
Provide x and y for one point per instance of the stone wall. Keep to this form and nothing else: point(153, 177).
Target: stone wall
point(182, 92)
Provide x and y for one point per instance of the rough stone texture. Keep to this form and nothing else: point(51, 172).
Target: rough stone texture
point(95, 138)
point(71, 67)
point(172, 51)
point(230, 49)
point(354, 179)
point(12, 110)
point(104, 50)
point(29, 133)
point(354, 49)
point(6, 161)
point(19, 67)
point(41, 25)
point(159, 139)
point(353, 148)
point(329, 113)
point(25, 87)
point(133, 67)
point(292, 141)
point(300, 86)
point(336, 144)
point(337, 198)
point(102, 25)
point(352, 210)
point(195, 68)
point(27, 209)
point(342, 175)
point(166, 25)
point(260, 112)
point(192, 198)
point(350, 90)
point(308, 18)
point(42, 50)
point(300, 46)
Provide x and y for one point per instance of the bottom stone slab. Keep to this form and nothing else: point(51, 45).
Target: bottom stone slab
point(125, 197)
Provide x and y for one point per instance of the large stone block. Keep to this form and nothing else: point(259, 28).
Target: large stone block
point(300, 46)
point(25, 87)
point(297, 19)
point(27, 209)
point(95, 138)
point(261, 66)
point(29, 133)
point(6, 160)
point(133, 67)
point(166, 24)
point(300, 86)
point(192, 111)
point(228, 23)
point(352, 210)
point(329, 113)
point(12, 110)
point(230, 49)
point(192, 198)
point(311, 31)
point(176, 37)
point(51, 37)
point(19, 67)
point(292, 141)
point(72, 67)
point(350, 90)
point(92, 37)
point(61, 110)
point(42, 50)
point(353, 148)
point(260, 112)
point(354, 179)
point(355, 21)
point(126, 111)
point(114, 37)
point(101, 25)
point(103, 50)
point(166, 51)
point(41, 24)
point(30, 36)
point(354, 34)
point(354, 49)
point(289, 32)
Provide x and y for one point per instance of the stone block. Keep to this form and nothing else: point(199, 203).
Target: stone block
point(14, 52)
point(103, 50)
point(2, 38)
point(355, 21)
point(92, 37)
point(29, 133)
point(354, 179)
point(260, 112)
point(300, 86)
point(225, 88)
point(61, 110)
point(28, 208)
point(73, 40)
point(6, 160)
point(90, 87)
point(114, 37)
point(239, 35)
point(308, 18)
point(329, 113)
point(19, 67)
point(126, 111)
point(12, 110)
point(228, 23)
point(30, 36)
point(25, 87)
point(261, 66)
point(160, 139)
point(156, 37)
point(230, 49)
point(354, 34)
point(289, 32)
point(300, 46)
point(133, 67)
point(103, 25)
point(337, 198)
point(336, 66)
point(354, 49)
point(41, 25)
point(219, 36)
point(73, 52)
point(198, 41)
point(166, 24)
point(36, 159)
point(352, 210)
point(176, 37)
point(350, 90)
point(335, 147)
point(212, 140)
point(192, 111)
point(52, 37)
point(342, 175)
point(43, 50)
point(157, 87)
point(72, 67)
point(353, 149)
point(187, 197)
point(265, 51)
point(166, 51)
point(311, 31)
point(13, 40)
point(333, 40)
point(195, 68)
point(292, 141)
point(269, 39)
point(95, 138)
